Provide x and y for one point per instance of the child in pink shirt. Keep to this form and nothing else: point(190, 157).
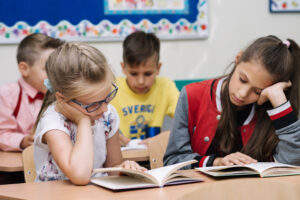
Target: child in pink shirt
point(20, 101)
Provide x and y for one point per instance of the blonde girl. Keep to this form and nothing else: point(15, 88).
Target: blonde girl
point(77, 128)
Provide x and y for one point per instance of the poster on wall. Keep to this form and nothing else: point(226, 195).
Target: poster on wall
point(103, 20)
point(283, 6)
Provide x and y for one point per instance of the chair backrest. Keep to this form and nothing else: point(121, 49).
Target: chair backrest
point(157, 148)
point(28, 163)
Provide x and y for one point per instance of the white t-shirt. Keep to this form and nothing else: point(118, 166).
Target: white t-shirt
point(103, 129)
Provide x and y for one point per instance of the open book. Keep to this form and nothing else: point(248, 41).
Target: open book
point(158, 177)
point(134, 144)
point(262, 169)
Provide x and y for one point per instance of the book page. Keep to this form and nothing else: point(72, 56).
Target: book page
point(157, 176)
point(262, 166)
point(234, 170)
point(281, 171)
point(129, 172)
point(250, 169)
point(121, 182)
point(134, 144)
point(161, 174)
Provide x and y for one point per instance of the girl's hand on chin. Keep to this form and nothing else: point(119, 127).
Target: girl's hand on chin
point(274, 93)
point(70, 112)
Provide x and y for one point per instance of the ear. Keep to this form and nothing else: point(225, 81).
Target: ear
point(238, 57)
point(24, 69)
point(123, 67)
point(158, 67)
point(59, 96)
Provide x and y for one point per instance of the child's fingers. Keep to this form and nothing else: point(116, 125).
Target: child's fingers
point(238, 159)
point(262, 98)
point(287, 85)
point(244, 156)
point(144, 142)
point(227, 162)
point(123, 140)
point(132, 165)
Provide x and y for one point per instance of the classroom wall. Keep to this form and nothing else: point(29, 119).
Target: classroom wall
point(233, 24)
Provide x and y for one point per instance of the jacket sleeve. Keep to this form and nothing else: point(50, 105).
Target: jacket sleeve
point(179, 147)
point(287, 128)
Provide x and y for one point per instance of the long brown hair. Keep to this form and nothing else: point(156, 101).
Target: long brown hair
point(283, 63)
point(73, 69)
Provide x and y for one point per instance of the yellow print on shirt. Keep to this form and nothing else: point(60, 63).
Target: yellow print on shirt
point(134, 109)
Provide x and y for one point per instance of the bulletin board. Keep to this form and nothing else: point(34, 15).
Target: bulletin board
point(284, 6)
point(102, 20)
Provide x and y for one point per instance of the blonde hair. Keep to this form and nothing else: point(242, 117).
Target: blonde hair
point(74, 69)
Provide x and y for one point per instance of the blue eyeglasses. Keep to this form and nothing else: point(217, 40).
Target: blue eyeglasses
point(96, 105)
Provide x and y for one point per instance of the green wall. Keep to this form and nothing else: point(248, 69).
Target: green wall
point(181, 83)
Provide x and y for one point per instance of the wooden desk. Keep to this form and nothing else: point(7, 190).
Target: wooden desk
point(136, 155)
point(11, 161)
point(238, 188)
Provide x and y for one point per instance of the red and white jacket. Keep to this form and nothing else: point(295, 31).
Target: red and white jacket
point(196, 119)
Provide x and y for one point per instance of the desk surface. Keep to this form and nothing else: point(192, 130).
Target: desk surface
point(237, 188)
point(136, 155)
point(11, 161)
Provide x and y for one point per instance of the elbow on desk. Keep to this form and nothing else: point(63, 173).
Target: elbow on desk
point(78, 178)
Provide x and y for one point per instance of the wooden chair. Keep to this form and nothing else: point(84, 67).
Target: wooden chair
point(157, 148)
point(28, 163)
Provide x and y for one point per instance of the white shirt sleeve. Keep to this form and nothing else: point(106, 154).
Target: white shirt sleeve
point(111, 121)
point(51, 120)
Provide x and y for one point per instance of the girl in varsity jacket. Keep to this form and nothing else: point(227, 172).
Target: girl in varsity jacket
point(247, 116)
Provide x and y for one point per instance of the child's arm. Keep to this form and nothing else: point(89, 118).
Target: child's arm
point(288, 147)
point(114, 155)
point(286, 123)
point(11, 136)
point(179, 147)
point(27, 141)
point(123, 140)
point(75, 160)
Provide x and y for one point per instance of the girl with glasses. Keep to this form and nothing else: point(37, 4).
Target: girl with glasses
point(77, 128)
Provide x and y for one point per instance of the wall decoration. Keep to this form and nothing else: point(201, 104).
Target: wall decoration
point(103, 20)
point(280, 6)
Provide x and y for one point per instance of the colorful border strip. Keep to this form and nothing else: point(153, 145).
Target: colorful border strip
point(107, 31)
point(280, 6)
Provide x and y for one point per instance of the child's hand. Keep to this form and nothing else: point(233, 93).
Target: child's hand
point(27, 141)
point(132, 165)
point(234, 159)
point(274, 94)
point(145, 142)
point(123, 140)
point(70, 112)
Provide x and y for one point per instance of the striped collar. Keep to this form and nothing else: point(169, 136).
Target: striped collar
point(219, 105)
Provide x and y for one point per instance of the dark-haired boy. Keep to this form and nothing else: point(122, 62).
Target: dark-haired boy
point(144, 99)
point(21, 101)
